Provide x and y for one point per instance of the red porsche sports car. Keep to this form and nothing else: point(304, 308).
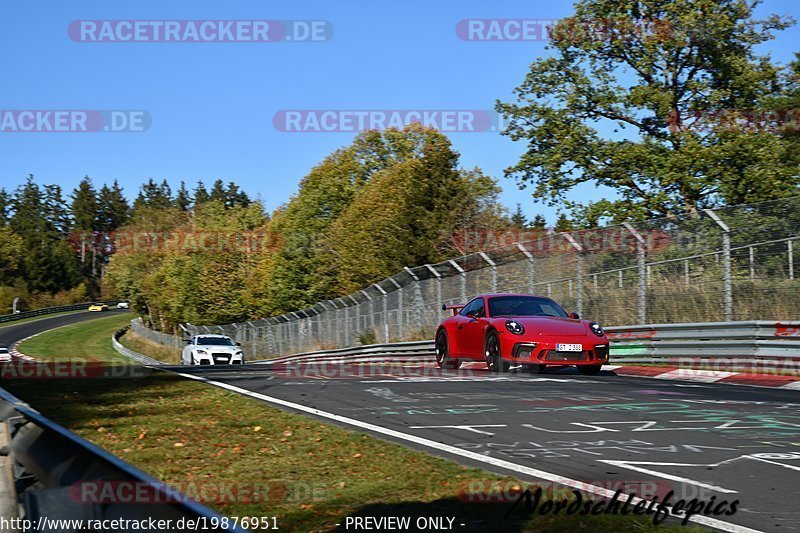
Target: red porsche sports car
point(519, 329)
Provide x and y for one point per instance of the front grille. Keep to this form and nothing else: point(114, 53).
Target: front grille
point(555, 356)
point(221, 357)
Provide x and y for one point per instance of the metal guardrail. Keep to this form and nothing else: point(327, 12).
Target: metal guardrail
point(49, 463)
point(51, 310)
point(645, 343)
point(756, 338)
point(127, 352)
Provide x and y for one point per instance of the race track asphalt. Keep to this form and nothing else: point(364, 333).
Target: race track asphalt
point(11, 333)
point(646, 436)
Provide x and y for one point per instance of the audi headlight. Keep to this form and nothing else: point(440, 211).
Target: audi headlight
point(597, 329)
point(514, 327)
point(201, 351)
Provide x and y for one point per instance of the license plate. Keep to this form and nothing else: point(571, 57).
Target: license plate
point(569, 347)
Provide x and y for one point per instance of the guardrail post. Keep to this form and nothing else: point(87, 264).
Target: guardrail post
point(641, 299)
point(463, 274)
point(727, 290)
point(400, 329)
point(578, 270)
point(385, 312)
point(493, 266)
point(531, 270)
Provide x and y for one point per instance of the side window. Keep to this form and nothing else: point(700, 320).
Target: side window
point(475, 306)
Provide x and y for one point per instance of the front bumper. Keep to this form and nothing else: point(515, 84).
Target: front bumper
point(595, 352)
point(219, 359)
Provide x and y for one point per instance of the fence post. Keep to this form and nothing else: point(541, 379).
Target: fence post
point(641, 305)
point(752, 264)
point(727, 289)
point(438, 285)
point(371, 319)
point(419, 299)
point(531, 271)
point(791, 258)
point(400, 329)
point(385, 312)
point(578, 270)
point(463, 274)
point(493, 266)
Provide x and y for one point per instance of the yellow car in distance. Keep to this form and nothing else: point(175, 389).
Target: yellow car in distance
point(98, 307)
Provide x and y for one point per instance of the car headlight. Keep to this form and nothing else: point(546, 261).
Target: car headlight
point(514, 327)
point(596, 329)
point(202, 352)
point(239, 353)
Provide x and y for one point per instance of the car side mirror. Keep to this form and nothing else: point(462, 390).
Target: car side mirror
point(238, 344)
point(575, 316)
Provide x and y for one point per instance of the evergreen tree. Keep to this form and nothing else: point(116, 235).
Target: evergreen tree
point(85, 206)
point(518, 219)
point(539, 222)
point(218, 192)
point(182, 199)
point(200, 194)
point(113, 209)
point(5, 207)
point(563, 223)
point(236, 197)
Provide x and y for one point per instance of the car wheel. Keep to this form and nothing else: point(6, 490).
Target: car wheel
point(494, 362)
point(589, 370)
point(443, 352)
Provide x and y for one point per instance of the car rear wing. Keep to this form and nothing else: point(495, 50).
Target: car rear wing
point(454, 308)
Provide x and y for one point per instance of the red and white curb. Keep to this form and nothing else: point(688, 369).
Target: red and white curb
point(708, 376)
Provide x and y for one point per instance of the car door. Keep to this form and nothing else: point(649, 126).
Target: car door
point(473, 329)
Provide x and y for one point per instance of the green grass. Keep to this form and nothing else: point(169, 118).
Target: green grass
point(144, 346)
point(90, 340)
point(308, 474)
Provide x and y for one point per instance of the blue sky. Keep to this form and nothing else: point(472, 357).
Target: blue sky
point(212, 104)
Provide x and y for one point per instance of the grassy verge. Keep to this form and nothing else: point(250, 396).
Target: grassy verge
point(144, 346)
point(85, 340)
point(311, 475)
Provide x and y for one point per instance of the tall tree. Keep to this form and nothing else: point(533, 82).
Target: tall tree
point(518, 219)
point(5, 207)
point(618, 108)
point(182, 199)
point(84, 206)
point(200, 194)
point(112, 206)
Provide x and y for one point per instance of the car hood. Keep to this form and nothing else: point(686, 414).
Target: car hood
point(219, 349)
point(546, 325)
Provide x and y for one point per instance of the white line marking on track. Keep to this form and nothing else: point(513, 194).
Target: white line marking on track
point(500, 463)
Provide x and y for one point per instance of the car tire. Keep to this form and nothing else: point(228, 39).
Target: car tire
point(443, 352)
point(589, 370)
point(494, 361)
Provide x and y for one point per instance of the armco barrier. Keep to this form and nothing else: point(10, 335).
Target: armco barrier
point(127, 352)
point(51, 310)
point(48, 462)
point(760, 339)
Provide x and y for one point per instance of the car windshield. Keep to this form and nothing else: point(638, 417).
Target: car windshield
point(524, 306)
point(214, 341)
